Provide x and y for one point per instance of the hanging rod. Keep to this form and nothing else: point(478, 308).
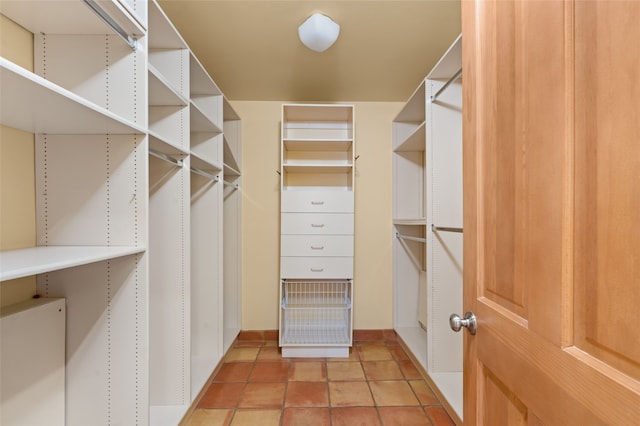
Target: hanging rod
point(165, 157)
point(451, 80)
point(131, 41)
point(445, 229)
point(235, 185)
point(205, 174)
point(408, 237)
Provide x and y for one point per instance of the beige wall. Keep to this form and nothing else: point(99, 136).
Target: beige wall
point(17, 178)
point(373, 294)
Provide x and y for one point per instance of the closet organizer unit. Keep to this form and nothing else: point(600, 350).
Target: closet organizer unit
point(317, 205)
point(427, 217)
point(137, 205)
point(85, 103)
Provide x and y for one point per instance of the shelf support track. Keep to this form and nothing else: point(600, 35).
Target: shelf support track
point(435, 228)
point(443, 88)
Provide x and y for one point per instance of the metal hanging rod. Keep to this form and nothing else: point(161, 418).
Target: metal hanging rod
point(445, 229)
point(442, 89)
point(234, 185)
point(205, 174)
point(165, 157)
point(408, 237)
point(131, 41)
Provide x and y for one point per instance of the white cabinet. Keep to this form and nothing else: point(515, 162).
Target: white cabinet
point(137, 159)
point(316, 247)
point(427, 212)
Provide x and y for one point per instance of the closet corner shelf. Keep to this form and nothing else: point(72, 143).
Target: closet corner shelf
point(37, 260)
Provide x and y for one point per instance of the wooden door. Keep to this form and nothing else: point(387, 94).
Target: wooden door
point(552, 211)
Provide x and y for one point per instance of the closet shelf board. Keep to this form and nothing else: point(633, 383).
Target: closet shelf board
point(37, 260)
point(36, 105)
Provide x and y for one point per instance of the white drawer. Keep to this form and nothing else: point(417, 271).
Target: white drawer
point(322, 201)
point(317, 223)
point(316, 245)
point(316, 267)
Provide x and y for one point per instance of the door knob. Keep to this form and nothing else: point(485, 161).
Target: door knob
point(469, 321)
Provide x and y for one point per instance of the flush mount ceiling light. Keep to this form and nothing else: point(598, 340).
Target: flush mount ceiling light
point(318, 32)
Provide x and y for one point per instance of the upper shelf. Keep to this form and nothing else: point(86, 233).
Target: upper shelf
point(72, 16)
point(33, 104)
point(315, 113)
point(414, 110)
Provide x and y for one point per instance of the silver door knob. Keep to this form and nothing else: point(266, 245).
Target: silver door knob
point(469, 321)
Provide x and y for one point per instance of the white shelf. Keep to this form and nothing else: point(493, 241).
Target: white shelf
point(162, 145)
point(318, 145)
point(204, 165)
point(160, 91)
point(200, 122)
point(201, 82)
point(317, 168)
point(36, 105)
point(419, 221)
point(69, 17)
point(415, 109)
point(38, 260)
point(310, 113)
point(162, 33)
point(415, 141)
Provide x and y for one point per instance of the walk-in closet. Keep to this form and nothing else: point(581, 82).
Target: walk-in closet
point(276, 213)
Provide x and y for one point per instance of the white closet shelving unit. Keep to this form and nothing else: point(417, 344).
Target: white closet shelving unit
point(427, 211)
point(86, 104)
point(136, 227)
point(317, 205)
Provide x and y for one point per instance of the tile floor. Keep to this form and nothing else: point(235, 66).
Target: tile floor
point(377, 385)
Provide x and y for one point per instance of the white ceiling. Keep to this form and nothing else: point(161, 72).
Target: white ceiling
point(252, 51)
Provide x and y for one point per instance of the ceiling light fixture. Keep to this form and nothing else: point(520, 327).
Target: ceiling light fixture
point(318, 32)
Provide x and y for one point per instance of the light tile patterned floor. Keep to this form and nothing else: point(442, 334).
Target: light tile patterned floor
point(377, 385)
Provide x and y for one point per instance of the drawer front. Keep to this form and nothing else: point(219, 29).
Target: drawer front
point(316, 267)
point(317, 201)
point(317, 223)
point(316, 245)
